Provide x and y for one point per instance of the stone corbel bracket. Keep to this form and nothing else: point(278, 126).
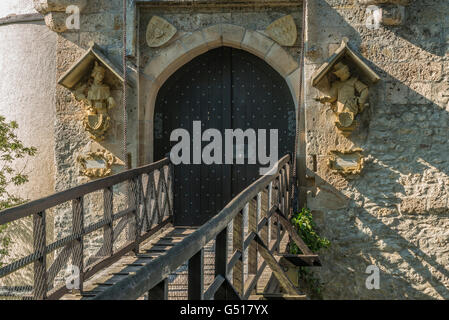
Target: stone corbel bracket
point(393, 12)
point(346, 162)
point(55, 14)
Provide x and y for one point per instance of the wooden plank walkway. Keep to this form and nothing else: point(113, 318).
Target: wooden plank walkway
point(149, 250)
point(156, 246)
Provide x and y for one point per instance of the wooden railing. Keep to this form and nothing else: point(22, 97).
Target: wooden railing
point(235, 275)
point(147, 207)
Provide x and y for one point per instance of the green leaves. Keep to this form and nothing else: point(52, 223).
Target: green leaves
point(11, 149)
point(305, 226)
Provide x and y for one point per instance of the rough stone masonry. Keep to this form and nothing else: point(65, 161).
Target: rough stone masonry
point(393, 214)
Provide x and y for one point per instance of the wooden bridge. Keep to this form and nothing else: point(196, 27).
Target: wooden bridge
point(135, 252)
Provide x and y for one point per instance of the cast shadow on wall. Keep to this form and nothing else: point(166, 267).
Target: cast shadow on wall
point(393, 206)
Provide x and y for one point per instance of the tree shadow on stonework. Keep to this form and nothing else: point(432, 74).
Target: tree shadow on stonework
point(404, 185)
point(403, 189)
point(365, 238)
point(423, 26)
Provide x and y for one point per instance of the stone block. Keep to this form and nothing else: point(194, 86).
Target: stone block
point(194, 43)
point(413, 206)
point(420, 93)
point(213, 36)
point(256, 43)
point(293, 84)
point(232, 35)
point(167, 62)
point(438, 204)
point(440, 95)
point(45, 6)
point(325, 199)
point(56, 21)
point(280, 60)
point(397, 93)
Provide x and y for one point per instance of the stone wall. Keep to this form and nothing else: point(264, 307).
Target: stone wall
point(395, 213)
point(100, 22)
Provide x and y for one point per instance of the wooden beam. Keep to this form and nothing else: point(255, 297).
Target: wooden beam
point(77, 229)
point(40, 266)
point(211, 292)
point(292, 232)
point(159, 291)
point(278, 272)
point(40, 205)
point(21, 18)
point(196, 276)
point(302, 260)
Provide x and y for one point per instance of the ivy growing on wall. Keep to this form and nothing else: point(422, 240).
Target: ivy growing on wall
point(11, 149)
point(306, 228)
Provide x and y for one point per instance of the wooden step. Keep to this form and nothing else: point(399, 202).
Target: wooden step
point(301, 260)
point(277, 296)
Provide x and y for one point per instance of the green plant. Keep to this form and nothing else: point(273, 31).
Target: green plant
point(306, 228)
point(11, 149)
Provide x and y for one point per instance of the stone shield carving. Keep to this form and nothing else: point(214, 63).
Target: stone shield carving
point(283, 31)
point(159, 32)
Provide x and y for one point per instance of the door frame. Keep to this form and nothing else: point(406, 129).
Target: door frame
point(221, 73)
point(191, 45)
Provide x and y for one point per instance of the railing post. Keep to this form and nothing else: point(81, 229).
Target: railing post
point(133, 225)
point(258, 232)
point(245, 250)
point(108, 231)
point(237, 243)
point(77, 229)
point(160, 291)
point(40, 265)
point(171, 175)
point(278, 223)
point(270, 203)
point(290, 192)
point(221, 260)
point(196, 276)
point(281, 202)
point(253, 220)
point(286, 192)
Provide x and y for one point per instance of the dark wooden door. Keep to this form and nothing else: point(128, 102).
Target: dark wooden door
point(224, 88)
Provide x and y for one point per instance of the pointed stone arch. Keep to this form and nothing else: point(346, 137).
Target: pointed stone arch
point(191, 45)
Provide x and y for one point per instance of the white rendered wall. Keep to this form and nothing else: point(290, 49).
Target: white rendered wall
point(27, 91)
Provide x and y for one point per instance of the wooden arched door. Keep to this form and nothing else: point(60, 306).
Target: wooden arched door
point(224, 88)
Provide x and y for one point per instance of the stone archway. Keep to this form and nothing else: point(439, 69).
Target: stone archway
point(190, 45)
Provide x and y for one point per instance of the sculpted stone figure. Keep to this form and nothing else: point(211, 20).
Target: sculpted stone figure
point(348, 97)
point(98, 100)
